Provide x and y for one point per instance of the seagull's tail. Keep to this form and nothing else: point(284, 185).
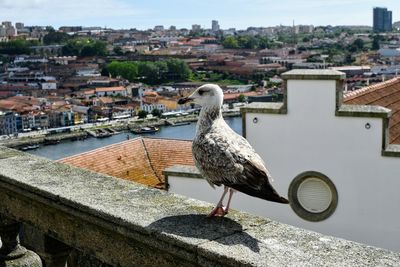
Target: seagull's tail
point(281, 200)
point(267, 192)
point(270, 194)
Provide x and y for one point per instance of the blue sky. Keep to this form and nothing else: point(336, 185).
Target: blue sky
point(146, 14)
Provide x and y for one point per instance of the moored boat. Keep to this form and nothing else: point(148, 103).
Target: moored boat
point(144, 130)
point(51, 142)
point(180, 123)
point(30, 147)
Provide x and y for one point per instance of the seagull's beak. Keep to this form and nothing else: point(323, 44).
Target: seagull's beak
point(184, 100)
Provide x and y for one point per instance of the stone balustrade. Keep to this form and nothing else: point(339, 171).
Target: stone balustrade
point(126, 224)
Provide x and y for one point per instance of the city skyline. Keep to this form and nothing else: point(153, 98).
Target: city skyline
point(238, 14)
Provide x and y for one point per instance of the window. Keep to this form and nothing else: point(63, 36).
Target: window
point(313, 196)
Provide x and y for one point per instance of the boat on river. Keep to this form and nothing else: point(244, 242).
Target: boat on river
point(145, 130)
point(180, 123)
point(30, 147)
point(51, 142)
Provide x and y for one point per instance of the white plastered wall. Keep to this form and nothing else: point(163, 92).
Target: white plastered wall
point(311, 138)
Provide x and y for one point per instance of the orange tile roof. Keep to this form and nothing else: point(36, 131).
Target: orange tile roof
point(230, 96)
point(385, 94)
point(141, 159)
point(106, 100)
point(104, 89)
point(89, 92)
point(164, 153)
point(110, 89)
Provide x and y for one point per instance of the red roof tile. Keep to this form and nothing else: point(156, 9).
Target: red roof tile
point(385, 94)
point(141, 159)
point(110, 89)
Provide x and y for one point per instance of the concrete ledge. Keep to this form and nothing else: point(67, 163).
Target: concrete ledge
point(304, 74)
point(392, 150)
point(183, 171)
point(262, 107)
point(126, 224)
point(363, 111)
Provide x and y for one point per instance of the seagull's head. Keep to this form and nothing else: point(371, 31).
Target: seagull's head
point(205, 95)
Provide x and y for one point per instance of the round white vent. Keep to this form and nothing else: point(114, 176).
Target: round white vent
point(314, 195)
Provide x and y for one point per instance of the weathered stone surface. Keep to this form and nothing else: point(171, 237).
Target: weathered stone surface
point(277, 244)
point(392, 150)
point(127, 224)
point(30, 259)
point(363, 111)
point(305, 74)
point(261, 107)
point(12, 254)
point(183, 170)
point(52, 252)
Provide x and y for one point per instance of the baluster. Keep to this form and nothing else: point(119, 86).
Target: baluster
point(12, 254)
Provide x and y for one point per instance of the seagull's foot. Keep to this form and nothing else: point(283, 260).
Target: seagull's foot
point(218, 211)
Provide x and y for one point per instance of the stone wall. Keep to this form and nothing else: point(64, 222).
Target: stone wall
point(126, 224)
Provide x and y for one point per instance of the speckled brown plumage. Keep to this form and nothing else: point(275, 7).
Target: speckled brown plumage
point(226, 158)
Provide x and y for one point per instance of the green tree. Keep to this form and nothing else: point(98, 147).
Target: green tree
point(242, 98)
point(142, 114)
point(127, 70)
point(348, 59)
point(84, 47)
point(162, 69)
point(156, 112)
point(375, 43)
point(118, 51)
point(73, 47)
point(149, 72)
point(15, 47)
point(104, 71)
point(359, 44)
point(70, 50)
point(248, 42)
point(88, 51)
point(230, 42)
point(54, 37)
point(100, 47)
point(263, 42)
point(178, 69)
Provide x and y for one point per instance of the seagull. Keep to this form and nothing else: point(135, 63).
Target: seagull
point(223, 157)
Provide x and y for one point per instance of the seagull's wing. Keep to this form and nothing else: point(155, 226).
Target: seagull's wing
point(227, 158)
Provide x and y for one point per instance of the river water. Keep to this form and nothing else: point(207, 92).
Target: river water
point(68, 148)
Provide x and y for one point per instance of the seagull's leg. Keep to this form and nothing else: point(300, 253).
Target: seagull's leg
point(219, 209)
point(231, 191)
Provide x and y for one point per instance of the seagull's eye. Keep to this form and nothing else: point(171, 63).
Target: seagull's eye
point(201, 92)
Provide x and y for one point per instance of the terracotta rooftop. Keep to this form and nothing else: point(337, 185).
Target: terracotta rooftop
point(106, 100)
point(385, 94)
point(141, 159)
point(110, 89)
point(231, 96)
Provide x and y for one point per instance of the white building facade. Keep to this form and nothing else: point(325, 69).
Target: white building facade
point(333, 161)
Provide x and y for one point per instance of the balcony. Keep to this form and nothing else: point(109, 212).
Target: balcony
point(122, 223)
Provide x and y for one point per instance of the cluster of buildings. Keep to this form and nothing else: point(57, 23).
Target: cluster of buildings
point(8, 31)
point(48, 89)
point(42, 92)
